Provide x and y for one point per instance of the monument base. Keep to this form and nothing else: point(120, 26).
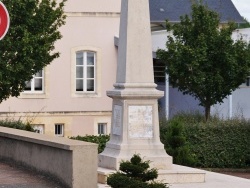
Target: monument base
point(178, 174)
point(156, 154)
point(135, 127)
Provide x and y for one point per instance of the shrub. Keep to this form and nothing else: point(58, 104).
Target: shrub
point(101, 140)
point(16, 124)
point(135, 174)
point(218, 143)
point(175, 142)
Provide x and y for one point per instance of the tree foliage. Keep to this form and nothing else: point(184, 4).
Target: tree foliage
point(29, 44)
point(202, 59)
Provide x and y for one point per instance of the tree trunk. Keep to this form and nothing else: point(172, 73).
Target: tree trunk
point(207, 112)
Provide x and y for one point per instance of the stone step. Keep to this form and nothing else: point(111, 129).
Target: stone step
point(182, 174)
point(178, 174)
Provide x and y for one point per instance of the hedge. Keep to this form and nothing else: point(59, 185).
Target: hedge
point(217, 143)
point(101, 140)
point(16, 124)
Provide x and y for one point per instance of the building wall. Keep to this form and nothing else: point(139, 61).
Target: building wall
point(90, 25)
point(237, 106)
point(177, 103)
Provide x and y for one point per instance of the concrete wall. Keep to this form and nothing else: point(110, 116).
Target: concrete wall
point(236, 107)
point(73, 162)
point(239, 107)
point(178, 102)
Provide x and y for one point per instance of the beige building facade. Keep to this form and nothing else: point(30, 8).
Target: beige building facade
point(68, 97)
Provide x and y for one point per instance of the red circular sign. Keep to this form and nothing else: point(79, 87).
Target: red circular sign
point(4, 20)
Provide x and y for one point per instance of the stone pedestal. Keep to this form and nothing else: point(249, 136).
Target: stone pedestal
point(135, 124)
point(135, 129)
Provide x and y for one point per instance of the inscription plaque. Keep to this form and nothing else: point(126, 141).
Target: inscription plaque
point(117, 120)
point(140, 122)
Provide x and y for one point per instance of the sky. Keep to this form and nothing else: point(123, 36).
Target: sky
point(243, 6)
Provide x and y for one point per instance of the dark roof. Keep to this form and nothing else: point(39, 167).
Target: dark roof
point(160, 10)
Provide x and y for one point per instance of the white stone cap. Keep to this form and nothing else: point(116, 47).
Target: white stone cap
point(53, 141)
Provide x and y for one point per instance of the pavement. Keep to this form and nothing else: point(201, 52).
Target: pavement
point(213, 180)
point(217, 180)
point(12, 176)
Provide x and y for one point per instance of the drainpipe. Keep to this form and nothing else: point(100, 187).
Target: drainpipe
point(230, 106)
point(167, 96)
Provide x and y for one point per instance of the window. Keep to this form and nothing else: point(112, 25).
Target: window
point(37, 87)
point(59, 129)
point(102, 128)
point(36, 84)
point(85, 71)
point(38, 129)
point(159, 71)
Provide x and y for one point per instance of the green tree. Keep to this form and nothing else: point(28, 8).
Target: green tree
point(29, 44)
point(202, 59)
point(135, 174)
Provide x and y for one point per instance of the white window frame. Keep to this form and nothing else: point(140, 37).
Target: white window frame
point(98, 65)
point(39, 128)
point(39, 94)
point(32, 81)
point(85, 66)
point(61, 131)
point(102, 128)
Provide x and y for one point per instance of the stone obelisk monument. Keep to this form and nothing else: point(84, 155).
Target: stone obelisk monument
point(135, 123)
